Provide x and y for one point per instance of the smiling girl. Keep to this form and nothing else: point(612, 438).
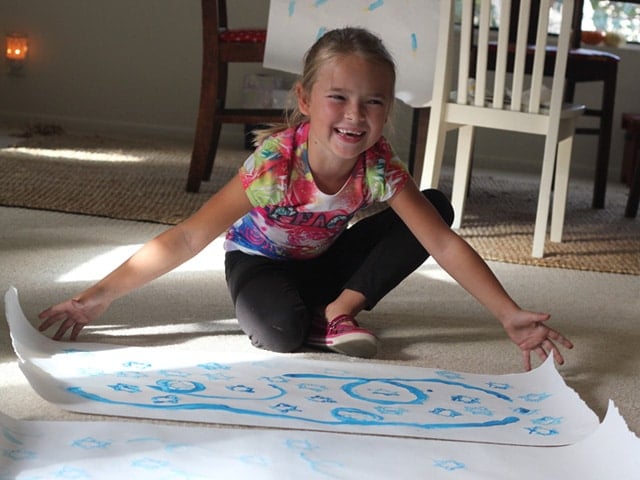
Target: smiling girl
point(298, 268)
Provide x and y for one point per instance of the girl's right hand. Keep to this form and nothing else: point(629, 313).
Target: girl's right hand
point(72, 314)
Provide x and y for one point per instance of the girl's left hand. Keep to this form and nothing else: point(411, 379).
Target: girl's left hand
point(530, 333)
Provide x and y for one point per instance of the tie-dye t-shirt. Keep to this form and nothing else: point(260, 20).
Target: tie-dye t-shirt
point(292, 218)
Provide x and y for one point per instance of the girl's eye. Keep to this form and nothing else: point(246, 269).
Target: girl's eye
point(376, 101)
point(337, 97)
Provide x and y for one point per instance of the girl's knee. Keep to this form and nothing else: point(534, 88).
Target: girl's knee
point(442, 204)
point(276, 333)
point(278, 341)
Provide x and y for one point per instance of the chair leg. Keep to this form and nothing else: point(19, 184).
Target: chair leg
point(427, 170)
point(544, 198)
point(198, 158)
point(204, 127)
point(631, 210)
point(213, 148)
point(561, 185)
point(604, 139)
point(419, 129)
point(201, 145)
point(461, 172)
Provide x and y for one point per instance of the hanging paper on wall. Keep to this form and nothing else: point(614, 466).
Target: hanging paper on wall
point(409, 29)
point(286, 391)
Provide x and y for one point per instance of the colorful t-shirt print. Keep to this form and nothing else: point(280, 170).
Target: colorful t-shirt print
point(292, 218)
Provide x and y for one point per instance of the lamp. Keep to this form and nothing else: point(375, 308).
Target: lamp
point(17, 46)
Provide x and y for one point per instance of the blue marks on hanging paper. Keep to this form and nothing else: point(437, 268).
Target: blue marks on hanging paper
point(414, 43)
point(321, 32)
point(375, 5)
point(291, 9)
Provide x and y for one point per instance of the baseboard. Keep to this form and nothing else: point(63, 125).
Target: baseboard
point(89, 125)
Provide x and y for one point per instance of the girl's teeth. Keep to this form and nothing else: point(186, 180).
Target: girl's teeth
point(348, 132)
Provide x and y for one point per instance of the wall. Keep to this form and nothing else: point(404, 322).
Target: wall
point(133, 68)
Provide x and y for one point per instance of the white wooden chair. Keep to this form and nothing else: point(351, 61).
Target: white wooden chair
point(465, 110)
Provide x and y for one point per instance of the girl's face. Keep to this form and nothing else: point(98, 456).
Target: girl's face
point(348, 107)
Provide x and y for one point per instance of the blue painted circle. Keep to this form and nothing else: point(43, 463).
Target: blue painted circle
point(384, 396)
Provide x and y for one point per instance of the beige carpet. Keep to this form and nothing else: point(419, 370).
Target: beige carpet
point(144, 180)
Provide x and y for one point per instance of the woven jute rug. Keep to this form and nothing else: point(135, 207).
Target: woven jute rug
point(145, 181)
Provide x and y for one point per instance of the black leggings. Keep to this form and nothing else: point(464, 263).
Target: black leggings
point(275, 299)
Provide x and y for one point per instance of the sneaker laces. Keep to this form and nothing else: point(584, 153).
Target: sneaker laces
point(342, 322)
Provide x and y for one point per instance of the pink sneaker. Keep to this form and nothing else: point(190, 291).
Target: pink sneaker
point(343, 335)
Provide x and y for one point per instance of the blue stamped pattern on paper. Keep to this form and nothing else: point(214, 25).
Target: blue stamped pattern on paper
point(398, 397)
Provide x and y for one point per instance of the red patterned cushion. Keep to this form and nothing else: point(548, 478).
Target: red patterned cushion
point(244, 36)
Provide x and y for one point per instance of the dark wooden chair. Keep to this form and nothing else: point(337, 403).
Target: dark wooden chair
point(585, 65)
point(221, 46)
point(631, 161)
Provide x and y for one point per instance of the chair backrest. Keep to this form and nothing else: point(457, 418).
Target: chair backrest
point(576, 22)
point(474, 43)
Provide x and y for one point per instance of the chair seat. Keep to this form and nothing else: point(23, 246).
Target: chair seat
point(506, 119)
point(583, 64)
point(243, 36)
point(221, 47)
point(590, 53)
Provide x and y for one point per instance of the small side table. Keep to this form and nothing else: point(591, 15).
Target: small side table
point(631, 161)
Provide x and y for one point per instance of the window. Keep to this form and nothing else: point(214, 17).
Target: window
point(601, 15)
point(619, 17)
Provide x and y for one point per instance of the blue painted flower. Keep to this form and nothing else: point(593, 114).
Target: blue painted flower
point(89, 443)
point(445, 412)
point(449, 465)
point(285, 408)
point(535, 397)
point(124, 387)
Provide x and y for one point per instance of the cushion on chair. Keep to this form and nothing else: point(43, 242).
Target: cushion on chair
point(243, 36)
point(588, 53)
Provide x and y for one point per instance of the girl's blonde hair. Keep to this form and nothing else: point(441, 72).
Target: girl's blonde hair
point(334, 43)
